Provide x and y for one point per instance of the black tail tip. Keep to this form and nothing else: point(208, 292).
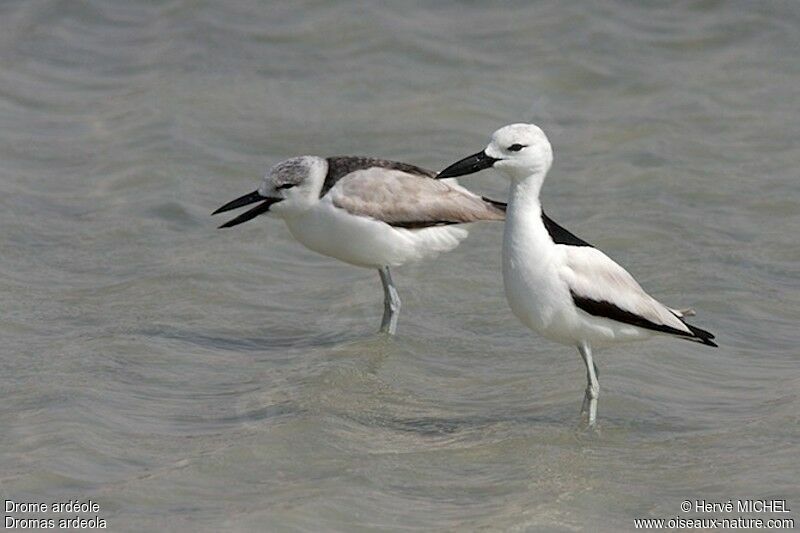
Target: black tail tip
point(702, 336)
point(709, 342)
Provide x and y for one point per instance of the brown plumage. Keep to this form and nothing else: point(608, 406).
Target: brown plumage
point(412, 201)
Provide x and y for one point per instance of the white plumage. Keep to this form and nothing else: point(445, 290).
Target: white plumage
point(557, 284)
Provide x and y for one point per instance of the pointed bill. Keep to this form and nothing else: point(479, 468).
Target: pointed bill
point(260, 209)
point(247, 199)
point(468, 165)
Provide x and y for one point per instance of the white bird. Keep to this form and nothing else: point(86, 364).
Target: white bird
point(556, 283)
point(367, 212)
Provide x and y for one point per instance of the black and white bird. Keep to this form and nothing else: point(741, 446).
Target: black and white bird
point(367, 212)
point(556, 283)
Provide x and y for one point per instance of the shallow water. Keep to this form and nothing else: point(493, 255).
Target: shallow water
point(186, 378)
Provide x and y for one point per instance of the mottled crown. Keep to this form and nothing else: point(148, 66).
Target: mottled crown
point(291, 171)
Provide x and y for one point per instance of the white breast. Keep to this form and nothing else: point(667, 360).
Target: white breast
point(535, 292)
point(365, 242)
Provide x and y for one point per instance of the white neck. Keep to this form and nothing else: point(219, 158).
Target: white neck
point(525, 190)
point(525, 239)
point(525, 209)
point(530, 257)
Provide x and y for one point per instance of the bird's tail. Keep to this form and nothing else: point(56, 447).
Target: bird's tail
point(700, 335)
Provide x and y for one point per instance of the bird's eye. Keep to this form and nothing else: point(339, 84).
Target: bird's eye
point(285, 186)
point(516, 147)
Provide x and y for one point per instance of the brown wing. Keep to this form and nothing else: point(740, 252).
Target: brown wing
point(343, 165)
point(410, 201)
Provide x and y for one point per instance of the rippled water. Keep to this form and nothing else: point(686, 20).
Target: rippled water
point(190, 379)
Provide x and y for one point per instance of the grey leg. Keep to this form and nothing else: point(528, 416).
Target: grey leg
point(592, 385)
point(391, 303)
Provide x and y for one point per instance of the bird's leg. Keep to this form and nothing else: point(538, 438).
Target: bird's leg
point(391, 302)
point(589, 407)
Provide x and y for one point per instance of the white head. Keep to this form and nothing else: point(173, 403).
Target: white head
point(518, 150)
point(290, 187)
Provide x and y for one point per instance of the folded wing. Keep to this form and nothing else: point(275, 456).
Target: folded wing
point(601, 287)
point(409, 200)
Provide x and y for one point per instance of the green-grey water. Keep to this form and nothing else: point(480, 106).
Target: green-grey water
point(190, 379)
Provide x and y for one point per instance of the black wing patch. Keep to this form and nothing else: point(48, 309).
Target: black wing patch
point(561, 235)
point(341, 166)
point(423, 224)
point(608, 310)
point(502, 206)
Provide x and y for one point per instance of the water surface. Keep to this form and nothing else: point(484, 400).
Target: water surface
point(189, 379)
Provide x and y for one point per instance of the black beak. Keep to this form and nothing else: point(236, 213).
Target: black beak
point(468, 165)
point(247, 199)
